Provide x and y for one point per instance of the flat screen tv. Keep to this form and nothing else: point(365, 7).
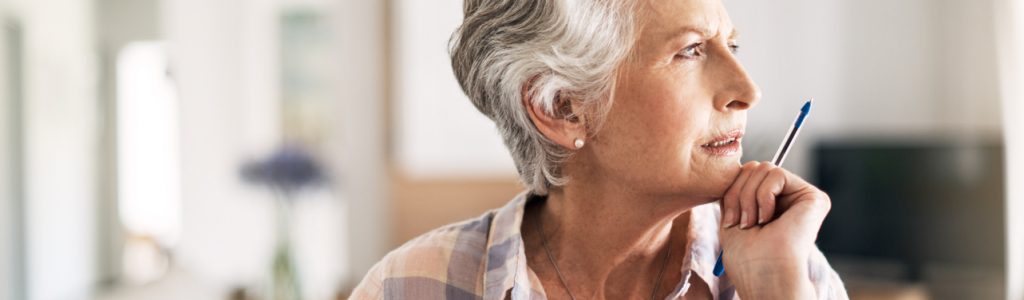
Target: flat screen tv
point(914, 202)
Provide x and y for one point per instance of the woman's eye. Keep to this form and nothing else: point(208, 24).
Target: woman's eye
point(734, 48)
point(691, 51)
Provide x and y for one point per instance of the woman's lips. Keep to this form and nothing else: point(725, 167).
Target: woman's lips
point(725, 145)
point(722, 148)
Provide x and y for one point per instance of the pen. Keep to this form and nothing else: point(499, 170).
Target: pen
point(780, 156)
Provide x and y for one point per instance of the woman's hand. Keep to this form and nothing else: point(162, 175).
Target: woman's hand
point(770, 219)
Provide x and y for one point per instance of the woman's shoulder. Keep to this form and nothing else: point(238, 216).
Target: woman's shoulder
point(446, 259)
point(438, 247)
point(459, 236)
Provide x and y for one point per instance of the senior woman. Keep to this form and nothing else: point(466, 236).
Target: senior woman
point(624, 119)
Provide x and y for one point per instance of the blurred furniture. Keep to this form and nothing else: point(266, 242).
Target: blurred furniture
point(420, 205)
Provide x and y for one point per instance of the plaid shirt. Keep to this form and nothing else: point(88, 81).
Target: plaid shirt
point(484, 258)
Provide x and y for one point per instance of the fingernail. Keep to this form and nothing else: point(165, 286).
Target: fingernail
point(743, 220)
point(727, 219)
point(760, 220)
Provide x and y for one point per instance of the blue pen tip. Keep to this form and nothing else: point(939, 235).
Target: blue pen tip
point(719, 268)
point(804, 111)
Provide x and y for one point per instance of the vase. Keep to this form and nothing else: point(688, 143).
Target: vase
point(285, 279)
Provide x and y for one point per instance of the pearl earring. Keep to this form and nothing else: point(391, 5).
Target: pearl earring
point(578, 143)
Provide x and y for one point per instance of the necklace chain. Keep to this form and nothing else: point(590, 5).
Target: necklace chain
point(565, 284)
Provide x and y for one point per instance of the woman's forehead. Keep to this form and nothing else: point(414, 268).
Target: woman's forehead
point(670, 18)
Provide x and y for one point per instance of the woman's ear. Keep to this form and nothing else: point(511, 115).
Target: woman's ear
point(565, 127)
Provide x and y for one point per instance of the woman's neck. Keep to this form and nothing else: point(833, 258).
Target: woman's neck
point(606, 239)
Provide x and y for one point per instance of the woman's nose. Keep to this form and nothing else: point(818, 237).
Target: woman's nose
point(736, 90)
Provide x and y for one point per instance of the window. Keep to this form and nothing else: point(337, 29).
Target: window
point(148, 160)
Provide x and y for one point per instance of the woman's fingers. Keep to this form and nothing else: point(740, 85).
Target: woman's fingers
point(810, 205)
point(756, 195)
point(748, 195)
point(731, 199)
point(804, 215)
point(767, 194)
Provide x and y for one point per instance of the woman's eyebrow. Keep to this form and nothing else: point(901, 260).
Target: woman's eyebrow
point(704, 32)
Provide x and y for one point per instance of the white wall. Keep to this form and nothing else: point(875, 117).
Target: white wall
point(1010, 25)
point(362, 35)
point(118, 22)
point(793, 50)
point(60, 147)
point(224, 55)
point(438, 131)
point(227, 115)
point(7, 197)
point(875, 68)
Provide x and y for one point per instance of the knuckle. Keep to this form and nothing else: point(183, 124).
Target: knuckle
point(730, 196)
point(748, 197)
point(766, 198)
point(764, 165)
point(743, 198)
point(748, 200)
point(728, 202)
point(734, 205)
point(822, 201)
point(778, 174)
point(826, 201)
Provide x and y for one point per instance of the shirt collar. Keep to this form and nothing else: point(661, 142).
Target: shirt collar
point(506, 257)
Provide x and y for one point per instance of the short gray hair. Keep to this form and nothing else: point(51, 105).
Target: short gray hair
point(563, 48)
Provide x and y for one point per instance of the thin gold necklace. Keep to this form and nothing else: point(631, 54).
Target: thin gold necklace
point(561, 278)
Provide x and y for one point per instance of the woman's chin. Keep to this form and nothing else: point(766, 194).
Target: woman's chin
point(720, 178)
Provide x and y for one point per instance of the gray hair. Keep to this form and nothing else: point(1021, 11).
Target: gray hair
point(564, 49)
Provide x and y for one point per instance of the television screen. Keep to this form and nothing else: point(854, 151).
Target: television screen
point(913, 202)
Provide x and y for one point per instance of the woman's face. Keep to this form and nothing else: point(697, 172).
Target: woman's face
point(679, 105)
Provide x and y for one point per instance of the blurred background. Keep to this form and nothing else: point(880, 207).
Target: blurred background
point(276, 149)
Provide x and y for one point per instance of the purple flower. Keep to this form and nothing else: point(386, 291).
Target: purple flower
point(288, 170)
